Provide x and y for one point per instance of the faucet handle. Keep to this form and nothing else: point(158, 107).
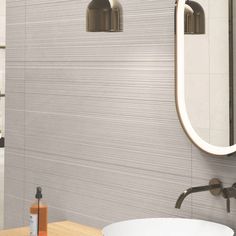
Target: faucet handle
point(226, 195)
point(228, 205)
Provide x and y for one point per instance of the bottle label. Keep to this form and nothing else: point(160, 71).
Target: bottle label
point(33, 224)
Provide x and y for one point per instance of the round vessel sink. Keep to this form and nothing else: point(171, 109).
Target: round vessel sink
point(167, 227)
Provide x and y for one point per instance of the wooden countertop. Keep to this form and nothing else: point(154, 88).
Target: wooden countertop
point(64, 228)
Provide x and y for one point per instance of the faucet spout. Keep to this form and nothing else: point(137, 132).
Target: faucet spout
point(210, 187)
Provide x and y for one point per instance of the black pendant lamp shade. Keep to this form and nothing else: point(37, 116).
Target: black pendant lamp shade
point(104, 16)
point(194, 18)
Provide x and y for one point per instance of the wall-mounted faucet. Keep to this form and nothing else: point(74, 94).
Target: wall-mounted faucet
point(215, 187)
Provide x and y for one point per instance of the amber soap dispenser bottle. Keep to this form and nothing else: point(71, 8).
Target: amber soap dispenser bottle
point(38, 216)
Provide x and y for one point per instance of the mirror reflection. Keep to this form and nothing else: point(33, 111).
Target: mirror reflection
point(209, 70)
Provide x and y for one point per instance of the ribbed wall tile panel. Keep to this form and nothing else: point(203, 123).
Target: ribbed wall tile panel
point(91, 117)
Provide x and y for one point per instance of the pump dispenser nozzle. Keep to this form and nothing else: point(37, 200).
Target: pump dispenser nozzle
point(38, 193)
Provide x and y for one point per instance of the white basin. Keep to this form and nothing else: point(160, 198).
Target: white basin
point(167, 227)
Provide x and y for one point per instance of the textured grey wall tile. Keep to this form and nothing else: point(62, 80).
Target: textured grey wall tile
point(15, 3)
point(15, 85)
point(15, 121)
point(128, 82)
point(121, 108)
point(14, 207)
point(15, 140)
point(15, 157)
point(15, 32)
point(16, 16)
point(15, 36)
point(15, 128)
point(14, 184)
point(15, 101)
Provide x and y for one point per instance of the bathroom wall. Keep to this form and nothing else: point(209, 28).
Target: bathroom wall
point(2, 64)
point(2, 102)
point(207, 75)
point(91, 117)
point(234, 57)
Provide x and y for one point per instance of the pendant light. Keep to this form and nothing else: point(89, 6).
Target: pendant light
point(194, 17)
point(104, 16)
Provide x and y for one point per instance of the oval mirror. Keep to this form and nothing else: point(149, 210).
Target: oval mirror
point(206, 73)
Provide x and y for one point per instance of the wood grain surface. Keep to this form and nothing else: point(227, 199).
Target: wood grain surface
point(57, 229)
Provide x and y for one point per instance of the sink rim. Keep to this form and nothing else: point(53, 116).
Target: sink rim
point(169, 218)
